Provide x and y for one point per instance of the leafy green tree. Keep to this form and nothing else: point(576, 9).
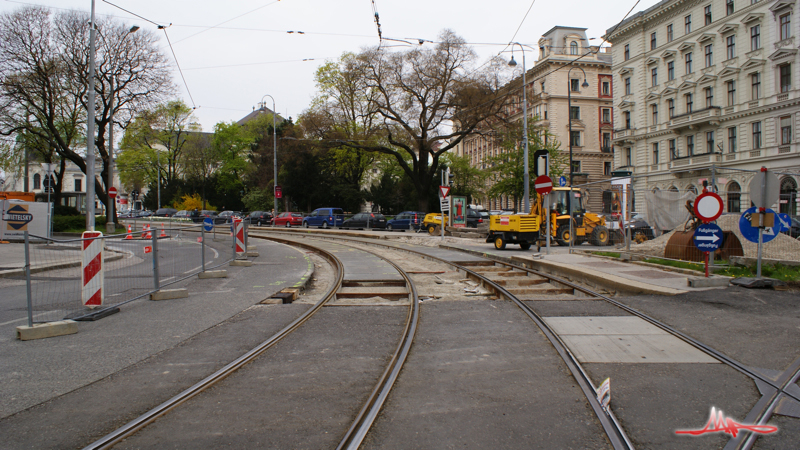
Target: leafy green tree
point(467, 180)
point(506, 170)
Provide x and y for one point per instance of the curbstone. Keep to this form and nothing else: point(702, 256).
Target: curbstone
point(212, 274)
point(252, 254)
point(701, 282)
point(46, 330)
point(241, 263)
point(169, 294)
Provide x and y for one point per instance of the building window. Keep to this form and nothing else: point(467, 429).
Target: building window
point(537, 111)
point(654, 109)
point(785, 77)
point(606, 113)
point(731, 92)
point(627, 86)
point(575, 112)
point(709, 55)
point(707, 14)
point(607, 168)
point(575, 139)
point(671, 107)
point(37, 181)
point(687, 22)
point(673, 151)
point(734, 200)
point(670, 70)
point(731, 44)
point(576, 167)
point(669, 33)
point(755, 37)
point(709, 142)
point(654, 76)
point(627, 52)
point(689, 103)
point(607, 142)
point(688, 59)
point(709, 97)
point(573, 48)
point(755, 82)
point(786, 24)
point(756, 135)
point(655, 153)
point(628, 157)
point(732, 139)
point(653, 41)
point(689, 145)
point(786, 130)
point(606, 88)
point(78, 185)
point(573, 85)
point(728, 7)
point(627, 120)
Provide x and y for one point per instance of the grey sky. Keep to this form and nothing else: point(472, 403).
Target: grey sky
point(229, 68)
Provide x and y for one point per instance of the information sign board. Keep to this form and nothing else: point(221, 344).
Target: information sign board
point(757, 185)
point(750, 232)
point(707, 237)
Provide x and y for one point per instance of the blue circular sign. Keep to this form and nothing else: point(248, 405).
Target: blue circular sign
point(707, 237)
point(562, 181)
point(751, 233)
point(208, 224)
point(786, 221)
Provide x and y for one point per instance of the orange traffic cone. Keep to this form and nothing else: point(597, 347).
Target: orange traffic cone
point(130, 232)
point(163, 232)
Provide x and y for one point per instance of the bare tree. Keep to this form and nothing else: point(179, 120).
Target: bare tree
point(44, 80)
point(413, 105)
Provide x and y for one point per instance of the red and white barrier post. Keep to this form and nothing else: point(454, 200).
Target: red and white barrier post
point(92, 271)
point(238, 227)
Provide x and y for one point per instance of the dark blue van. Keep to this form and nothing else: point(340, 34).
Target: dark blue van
point(324, 218)
point(406, 220)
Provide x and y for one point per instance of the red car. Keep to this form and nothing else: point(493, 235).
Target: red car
point(289, 219)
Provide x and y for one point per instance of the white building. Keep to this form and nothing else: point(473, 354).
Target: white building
point(712, 82)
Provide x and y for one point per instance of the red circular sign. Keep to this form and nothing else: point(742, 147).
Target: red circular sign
point(543, 184)
point(112, 192)
point(708, 206)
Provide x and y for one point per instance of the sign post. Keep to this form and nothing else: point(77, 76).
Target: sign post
point(764, 191)
point(444, 203)
point(544, 185)
point(708, 237)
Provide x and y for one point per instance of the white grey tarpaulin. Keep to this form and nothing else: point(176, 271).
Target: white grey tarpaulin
point(666, 210)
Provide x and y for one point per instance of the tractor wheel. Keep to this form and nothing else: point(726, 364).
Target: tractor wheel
point(432, 229)
point(525, 245)
point(563, 236)
point(599, 236)
point(499, 243)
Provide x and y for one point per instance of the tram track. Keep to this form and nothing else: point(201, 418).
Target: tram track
point(782, 388)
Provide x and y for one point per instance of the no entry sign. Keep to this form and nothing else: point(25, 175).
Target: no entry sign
point(708, 206)
point(112, 192)
point(543, 184)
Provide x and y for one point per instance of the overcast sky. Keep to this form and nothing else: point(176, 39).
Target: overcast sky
point(234, 52)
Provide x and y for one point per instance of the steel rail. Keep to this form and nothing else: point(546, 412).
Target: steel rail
point(608, 421)
point(140, 422)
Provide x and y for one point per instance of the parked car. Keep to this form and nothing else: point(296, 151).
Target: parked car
point(226, 216)
point(640, 229)
point(165, 212)
point(182, 214)
point(260, 218)
point(324, 218)
point(406, 220)
point(475, 218)
point(289, 219)
point(202, 215)
point(365, 220)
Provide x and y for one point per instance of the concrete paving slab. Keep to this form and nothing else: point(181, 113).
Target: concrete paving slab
point(624, 339)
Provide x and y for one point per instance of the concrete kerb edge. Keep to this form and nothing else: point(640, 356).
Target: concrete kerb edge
point(679, 270)
point(602, 280)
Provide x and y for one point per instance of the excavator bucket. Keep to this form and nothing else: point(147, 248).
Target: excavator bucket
point(680, 246)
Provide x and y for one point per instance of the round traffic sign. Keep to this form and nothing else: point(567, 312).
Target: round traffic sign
point(543, 184)
point(707, 237)
point(750, 232)
point(708, 206)
point(764, 189)
point(208, 224)
point(562, 181)
point(112, 192)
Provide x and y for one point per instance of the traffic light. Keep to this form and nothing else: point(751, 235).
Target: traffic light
point(451, 178)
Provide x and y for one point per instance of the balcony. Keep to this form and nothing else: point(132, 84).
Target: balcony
point(624, 135)
point(695, 162)
point(607, 149)
point(695, 119)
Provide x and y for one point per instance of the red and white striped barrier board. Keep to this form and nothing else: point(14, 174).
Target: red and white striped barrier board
point(92, 274)
point(239, 227)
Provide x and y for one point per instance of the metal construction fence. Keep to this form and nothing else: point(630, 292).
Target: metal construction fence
point(652, 214)
point(63, 279)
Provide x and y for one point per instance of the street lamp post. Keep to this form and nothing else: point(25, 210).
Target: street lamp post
point(274, 160)
point(90, 130)
point(110, 225)
point(569, 116)
point(525, 174)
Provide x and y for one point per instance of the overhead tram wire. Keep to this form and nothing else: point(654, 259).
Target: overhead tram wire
point(377, 21)
point(229, 20)
point(175, 57)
